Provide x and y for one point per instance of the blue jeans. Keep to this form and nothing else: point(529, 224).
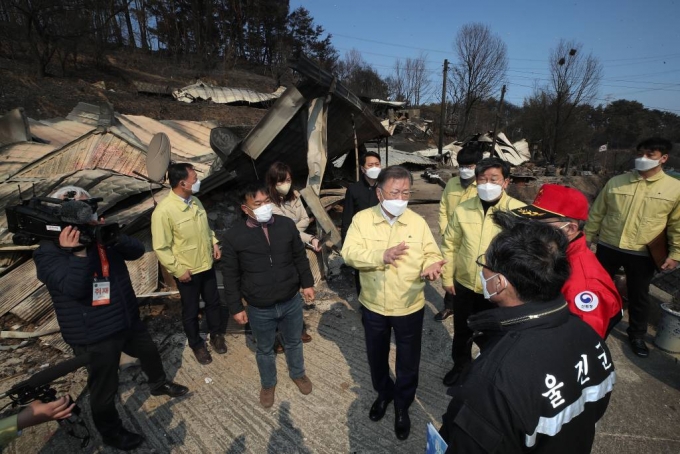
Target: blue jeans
point(287, 316)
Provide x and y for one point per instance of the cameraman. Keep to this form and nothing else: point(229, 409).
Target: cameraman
point(103, 323)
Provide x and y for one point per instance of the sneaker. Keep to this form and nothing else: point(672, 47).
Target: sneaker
point(218, 343)
point(267, 396)
point(202, 355)
point(304, 384)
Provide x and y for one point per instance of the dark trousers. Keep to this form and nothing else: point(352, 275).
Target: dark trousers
point(448, 301)
point(465, 303)
point(408, 331)
point(639, 273)
point(102, 372)
point(202, 285)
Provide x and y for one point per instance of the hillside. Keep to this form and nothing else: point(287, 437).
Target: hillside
point(55, 96)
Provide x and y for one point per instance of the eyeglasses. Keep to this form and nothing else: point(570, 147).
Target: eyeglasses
point(481, 261)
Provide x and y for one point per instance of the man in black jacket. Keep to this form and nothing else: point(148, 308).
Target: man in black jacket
point(544, 377)
point(264, 262)
point(98, 314)
point(361, 195)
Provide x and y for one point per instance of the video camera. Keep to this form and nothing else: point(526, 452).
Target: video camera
point(37, 387)
point(44, 218)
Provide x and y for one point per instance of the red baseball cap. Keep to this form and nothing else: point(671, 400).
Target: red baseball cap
point(554, 201)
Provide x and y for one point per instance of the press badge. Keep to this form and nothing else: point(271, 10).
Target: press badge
point(101, 292)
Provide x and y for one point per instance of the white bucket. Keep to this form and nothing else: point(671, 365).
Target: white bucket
point(668, 333)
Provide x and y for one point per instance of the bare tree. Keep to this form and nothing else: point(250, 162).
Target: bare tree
point(410, 80)
point(574, 81)
point(482, 65)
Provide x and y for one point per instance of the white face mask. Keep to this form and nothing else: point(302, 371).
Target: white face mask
point(196, 187)
point(489, 191)
point(263, 213)
point(283, 188)
point(373, 172)
point(395, 207)
point(466, 173)
point(645, 163)
point(487, 295)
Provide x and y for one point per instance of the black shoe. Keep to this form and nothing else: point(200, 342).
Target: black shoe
point(453, 375)
point(639, 347)
point(218, 343)
point(402, 423)
point(123, 440)
point(202, 355)
point(170, 389)
point(443, 315)
point(378, 409)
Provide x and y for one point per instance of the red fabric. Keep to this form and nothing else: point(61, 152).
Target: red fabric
point(588, 277)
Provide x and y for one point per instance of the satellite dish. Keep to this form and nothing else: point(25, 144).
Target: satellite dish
point(158, 157)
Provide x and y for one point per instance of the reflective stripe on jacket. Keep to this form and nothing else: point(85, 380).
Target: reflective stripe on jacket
point(631, 211)
point(387, 289)
point(181, 235)
point(467, 236)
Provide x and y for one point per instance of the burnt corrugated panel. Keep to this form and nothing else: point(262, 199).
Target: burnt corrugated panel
point(100, 115)
point(144, 272)
point(17, 285)
point(94, 150)
point(189, 143)
point(53, 340)
point(34, 306)
point(201, 91)
point(13, 158)
point(58, 131)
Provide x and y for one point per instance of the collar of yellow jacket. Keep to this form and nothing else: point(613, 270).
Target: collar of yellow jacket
point(635, 176)
point(378, 217)
point(504, 198)
point(179, 202)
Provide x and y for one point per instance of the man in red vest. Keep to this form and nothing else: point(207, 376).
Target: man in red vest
point(590, 291)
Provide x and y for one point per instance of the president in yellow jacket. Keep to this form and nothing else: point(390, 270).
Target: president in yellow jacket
point(631, 210)
point(395, 252)
point(466, 238)
point(186, 247)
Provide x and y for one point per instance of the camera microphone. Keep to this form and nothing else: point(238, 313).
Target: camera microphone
point(76, 212)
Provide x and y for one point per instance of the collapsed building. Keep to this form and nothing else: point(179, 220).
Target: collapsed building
point(314, 123)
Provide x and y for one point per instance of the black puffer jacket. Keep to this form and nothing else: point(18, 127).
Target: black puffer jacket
point(69, 280)
point(359, 196)
point(542, 381)
point(263, 272)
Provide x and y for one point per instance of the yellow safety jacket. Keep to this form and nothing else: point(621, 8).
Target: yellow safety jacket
point(467, 236)
point(631, 211)
point(8, 430)
point(453, 194)
point(387, 289)
point(181, 236)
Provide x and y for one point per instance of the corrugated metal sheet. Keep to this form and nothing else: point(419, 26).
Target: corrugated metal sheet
point(201, 91)
point(105, 150)
point(144, 272)
point(190, 140)
point(34, 306)
point(15, 157)
point(17, 285)
point(58, 131)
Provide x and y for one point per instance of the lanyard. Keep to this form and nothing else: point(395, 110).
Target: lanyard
point(104, 260)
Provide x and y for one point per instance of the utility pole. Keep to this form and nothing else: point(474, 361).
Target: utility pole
point(442, 117)
point(499, 112)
